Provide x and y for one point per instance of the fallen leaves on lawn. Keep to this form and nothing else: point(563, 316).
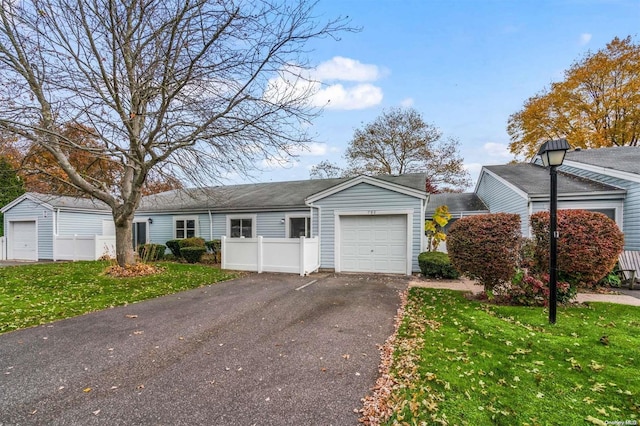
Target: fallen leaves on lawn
point(136, 270)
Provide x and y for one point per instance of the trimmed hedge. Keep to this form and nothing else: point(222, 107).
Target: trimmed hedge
point(485, 247)
point(191, 242)
point(151, 252)
point(589, 244)
point(174, 246)
point(434, 264)
point(192, 254)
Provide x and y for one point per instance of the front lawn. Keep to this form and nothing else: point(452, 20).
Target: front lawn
point(462, 362)
point(37, 294)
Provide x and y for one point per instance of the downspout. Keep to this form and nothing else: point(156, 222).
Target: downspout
point(56, 220)
point(210, 226)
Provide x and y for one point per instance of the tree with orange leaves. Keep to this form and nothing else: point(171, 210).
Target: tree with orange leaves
point(597, 104)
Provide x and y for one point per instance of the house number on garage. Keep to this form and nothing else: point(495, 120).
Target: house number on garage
point(372, 212)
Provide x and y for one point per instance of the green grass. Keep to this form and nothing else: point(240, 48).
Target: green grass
point(462, 362)
point(37, 294)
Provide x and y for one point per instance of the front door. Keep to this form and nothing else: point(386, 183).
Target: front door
point(139, 232)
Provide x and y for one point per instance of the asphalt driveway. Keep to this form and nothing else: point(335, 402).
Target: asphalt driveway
point(253, 351)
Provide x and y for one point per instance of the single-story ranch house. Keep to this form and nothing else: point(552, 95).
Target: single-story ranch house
point(361, 224)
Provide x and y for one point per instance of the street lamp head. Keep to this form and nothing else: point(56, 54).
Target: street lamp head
point(552, 152)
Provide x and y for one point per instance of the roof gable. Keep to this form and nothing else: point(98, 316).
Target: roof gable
point(377, 182)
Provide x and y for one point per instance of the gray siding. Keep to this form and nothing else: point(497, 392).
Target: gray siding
point(268, 225)
point(631, 209)
point(499, 198)
point(28, 209)
point(81, 223)
point(366, 197)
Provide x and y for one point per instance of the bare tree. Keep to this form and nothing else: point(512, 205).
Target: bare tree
point(198, 87)
point(325, 170)
point(400, 141)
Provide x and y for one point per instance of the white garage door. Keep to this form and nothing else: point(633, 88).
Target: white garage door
point(373, 243)
point(24, 241)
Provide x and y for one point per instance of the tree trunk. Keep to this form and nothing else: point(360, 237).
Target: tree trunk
point(124, 237)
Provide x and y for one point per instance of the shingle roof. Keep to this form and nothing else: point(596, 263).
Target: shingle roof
point(456, 202)
point(534, 180)
point(64, 201)
point(259, 196)
point(622, 158)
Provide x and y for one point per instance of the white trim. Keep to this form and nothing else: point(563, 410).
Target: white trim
point(505, 182)
point(254, 223)
point(633, 177)
point(196, 232)
point(145, 220)
point(337, 237)
point(368, 180)
point(210, 225)
point(10, 236)
point(287, 225)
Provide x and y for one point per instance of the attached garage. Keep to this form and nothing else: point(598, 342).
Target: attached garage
point(373, 243)
point(23, 240)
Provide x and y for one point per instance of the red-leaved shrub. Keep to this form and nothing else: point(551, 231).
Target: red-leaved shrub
point(485, 247)
point(589, 244)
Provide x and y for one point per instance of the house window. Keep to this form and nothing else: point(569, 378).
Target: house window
point(241, 226)
point(185, 227)
point(299, 227)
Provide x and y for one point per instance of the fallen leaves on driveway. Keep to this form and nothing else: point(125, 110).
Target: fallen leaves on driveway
point(376, 407)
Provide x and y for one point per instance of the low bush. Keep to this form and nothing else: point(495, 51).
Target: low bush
point(214, 246)
point(528, 290)
point(589, 244)
point(151, 252)
point(434, 264)
point(485, 247)
point(192, 254)
point(174, 246)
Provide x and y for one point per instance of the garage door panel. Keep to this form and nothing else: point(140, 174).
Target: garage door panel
point(373, 243)
point(24, 240)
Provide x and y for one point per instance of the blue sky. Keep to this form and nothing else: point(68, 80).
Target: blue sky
point(465, 65)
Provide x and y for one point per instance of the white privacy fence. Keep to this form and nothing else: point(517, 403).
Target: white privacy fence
point(292, 255)
point(83, 247)
point(3, 248)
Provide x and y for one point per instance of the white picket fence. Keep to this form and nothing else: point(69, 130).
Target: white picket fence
point(3, 248)
point(83, 247)
point(292, 255)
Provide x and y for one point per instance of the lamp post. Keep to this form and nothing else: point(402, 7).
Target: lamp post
point(552, 154)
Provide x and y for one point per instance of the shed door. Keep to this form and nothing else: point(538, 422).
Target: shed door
point(373, 243)
point(24, 240)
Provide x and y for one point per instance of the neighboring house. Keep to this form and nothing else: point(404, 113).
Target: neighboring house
point(363, 224)
point(523, 188)
point(605, 180)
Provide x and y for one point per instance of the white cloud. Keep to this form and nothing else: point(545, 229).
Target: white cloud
point(406, 103)
point(279, 162)
point(314, 149)
point(499, 150)
point(296, 83)
point(337, 96)
point(585, 38)
point(346, 69)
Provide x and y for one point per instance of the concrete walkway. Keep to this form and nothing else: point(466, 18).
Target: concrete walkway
point(632, 297)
